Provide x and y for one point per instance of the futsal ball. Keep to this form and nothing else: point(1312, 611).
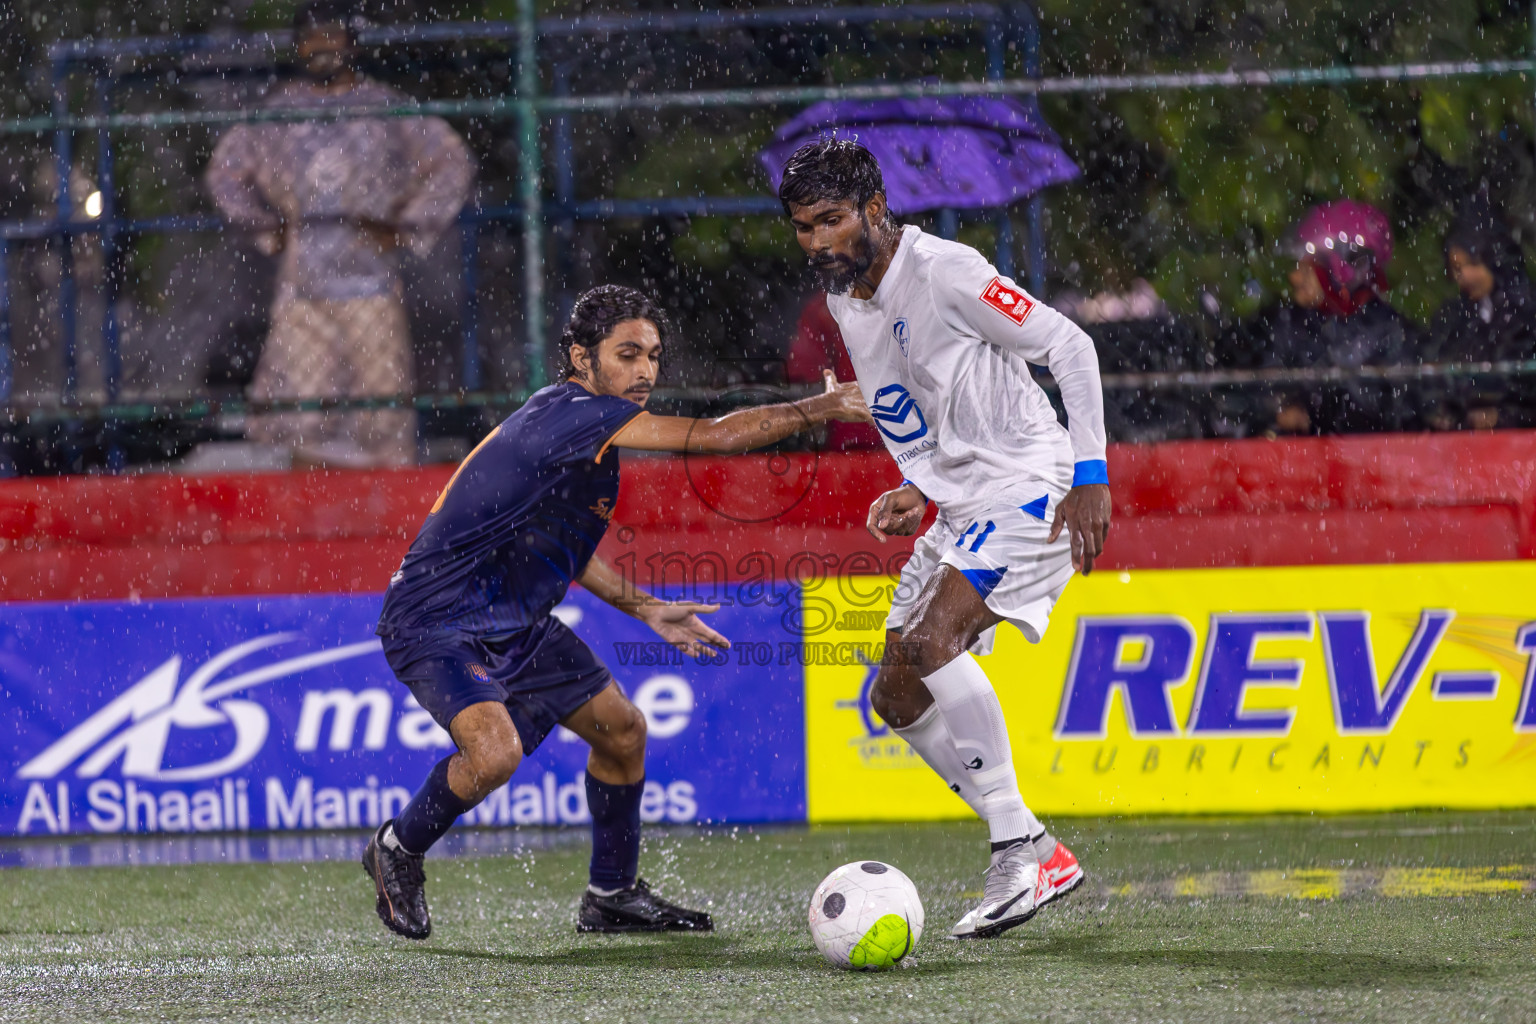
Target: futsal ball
point(866, 916)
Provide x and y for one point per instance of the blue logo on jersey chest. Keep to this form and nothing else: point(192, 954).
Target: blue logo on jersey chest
point(897, 415)
point(902, 335)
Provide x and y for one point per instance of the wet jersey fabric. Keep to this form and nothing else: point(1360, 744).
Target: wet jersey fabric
point(517, 523)
point(942, 352)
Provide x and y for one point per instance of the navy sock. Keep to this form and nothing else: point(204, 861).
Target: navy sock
point(615, 832)
point(431, 812)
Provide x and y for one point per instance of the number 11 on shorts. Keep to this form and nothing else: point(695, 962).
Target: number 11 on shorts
point(981, 538)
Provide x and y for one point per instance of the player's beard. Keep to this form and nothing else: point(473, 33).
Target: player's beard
point(604, 386)
point(839, 273)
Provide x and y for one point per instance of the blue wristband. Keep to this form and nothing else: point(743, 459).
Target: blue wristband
point(1090, 471)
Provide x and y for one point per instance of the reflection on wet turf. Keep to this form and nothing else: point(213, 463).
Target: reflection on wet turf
point(270, 847)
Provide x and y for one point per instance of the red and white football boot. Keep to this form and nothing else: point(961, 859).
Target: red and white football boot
point(1058, 876)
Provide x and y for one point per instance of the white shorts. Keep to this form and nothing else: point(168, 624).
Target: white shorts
point(1005, 556)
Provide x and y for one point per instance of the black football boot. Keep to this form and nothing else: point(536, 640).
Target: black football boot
point(401, 886)
point(637, 909)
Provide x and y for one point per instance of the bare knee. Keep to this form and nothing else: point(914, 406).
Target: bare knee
point(490, 769)
point(618, 743)
point(899, 696)
point(479, 769)
point(930, 648)
point(489, 752)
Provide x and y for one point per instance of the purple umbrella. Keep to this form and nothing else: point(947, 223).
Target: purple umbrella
point(963, 152)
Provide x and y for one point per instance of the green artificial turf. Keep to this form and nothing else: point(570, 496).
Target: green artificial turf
point(1394, 917)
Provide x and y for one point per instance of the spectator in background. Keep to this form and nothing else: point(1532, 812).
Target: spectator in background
point(1337, 319)
point(1492, 319)
point(818, 343)
point(337, 199)
point(1135, 333)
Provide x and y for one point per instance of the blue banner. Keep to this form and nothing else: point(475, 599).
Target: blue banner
point(281, 713)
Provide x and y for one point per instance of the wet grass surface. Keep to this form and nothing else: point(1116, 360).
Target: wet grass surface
point(1392, 917)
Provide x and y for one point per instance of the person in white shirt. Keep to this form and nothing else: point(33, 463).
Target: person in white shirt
point(941, 344)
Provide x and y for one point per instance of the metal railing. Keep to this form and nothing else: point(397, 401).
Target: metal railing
point(534, 212)
point(524, 105)
point(1147, 381)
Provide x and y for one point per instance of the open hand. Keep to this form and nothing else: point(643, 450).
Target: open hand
point(678, 623)
point(896, 513)
point(1085, 514)
point(849, 402)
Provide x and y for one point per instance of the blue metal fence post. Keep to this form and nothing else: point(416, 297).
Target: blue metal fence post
point(531, 165)
point(7, 464)
point(111, 352)
point(565, 196)
point(997, 68)
point(1034, 210)
point(63, 161)
point(1005, 246)
point(469, 256)
point(5, 321)
point(948, 224)
point(112, 362)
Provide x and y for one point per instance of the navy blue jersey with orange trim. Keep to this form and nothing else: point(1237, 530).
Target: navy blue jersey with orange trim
point(518, 521)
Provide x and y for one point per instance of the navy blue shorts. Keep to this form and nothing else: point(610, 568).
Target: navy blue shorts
point(542, 674)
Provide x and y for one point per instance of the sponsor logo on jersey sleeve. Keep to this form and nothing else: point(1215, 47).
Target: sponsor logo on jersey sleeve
point(1010, 302)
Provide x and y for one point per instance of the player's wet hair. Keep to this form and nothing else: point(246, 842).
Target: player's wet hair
point(598, 312)
point(831, 168)
point(324, 14)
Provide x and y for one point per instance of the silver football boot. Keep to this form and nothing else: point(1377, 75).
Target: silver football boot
point(1008, 897)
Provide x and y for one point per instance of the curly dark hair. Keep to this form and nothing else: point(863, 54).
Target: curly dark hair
point(831, 168)
point(598, 312)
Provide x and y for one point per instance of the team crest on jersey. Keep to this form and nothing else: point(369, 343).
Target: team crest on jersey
point(1010, 302)
point(479, 672)
point(903, 335)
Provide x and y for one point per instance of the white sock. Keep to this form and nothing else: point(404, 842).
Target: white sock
point(971, 710)
point(930, 737)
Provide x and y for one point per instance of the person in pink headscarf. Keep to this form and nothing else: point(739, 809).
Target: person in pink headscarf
point(1338, 317)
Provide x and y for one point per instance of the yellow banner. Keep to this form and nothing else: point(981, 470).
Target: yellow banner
point(1219, 690)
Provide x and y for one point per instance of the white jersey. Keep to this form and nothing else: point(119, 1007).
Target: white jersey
point(941, 355)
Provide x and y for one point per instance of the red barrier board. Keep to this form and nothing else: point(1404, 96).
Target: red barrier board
point(1356, 500)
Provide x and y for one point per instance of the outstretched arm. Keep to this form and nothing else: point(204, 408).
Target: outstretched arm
point(676, 622)
point(745, 429)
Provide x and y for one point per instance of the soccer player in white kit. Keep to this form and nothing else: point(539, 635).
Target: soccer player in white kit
point(941, 344)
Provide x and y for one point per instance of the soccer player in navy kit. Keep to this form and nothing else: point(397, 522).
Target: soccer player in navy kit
point(466, 624)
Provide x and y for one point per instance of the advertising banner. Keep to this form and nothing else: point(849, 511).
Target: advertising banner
point(1222, 690)
point(1190, 691)
point(281, 713)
